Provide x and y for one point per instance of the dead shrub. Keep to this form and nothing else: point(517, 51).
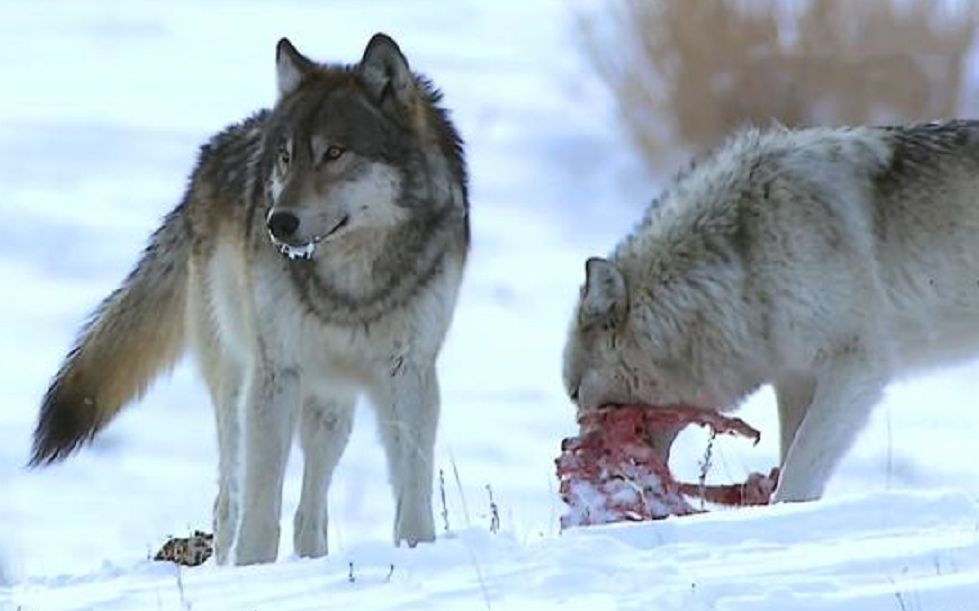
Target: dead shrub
point(686, 72)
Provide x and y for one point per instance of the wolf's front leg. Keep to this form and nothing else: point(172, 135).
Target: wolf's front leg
point(269, 412)
point(407, 402)
point(794, 392)
point(324, 428)
point(846, 391)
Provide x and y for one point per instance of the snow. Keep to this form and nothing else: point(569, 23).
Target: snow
point(878, 551)
point(103, 108)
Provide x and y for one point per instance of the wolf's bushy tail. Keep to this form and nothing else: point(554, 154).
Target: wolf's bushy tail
point(134, 335)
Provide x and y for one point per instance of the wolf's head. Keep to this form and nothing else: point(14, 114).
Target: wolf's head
point(349, 148)
point(662, 345)
point(603, 361)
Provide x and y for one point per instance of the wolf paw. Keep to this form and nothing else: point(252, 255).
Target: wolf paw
point(309, 535)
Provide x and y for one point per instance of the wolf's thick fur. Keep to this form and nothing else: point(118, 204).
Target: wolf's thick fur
point(822, 261)
point(359, 176)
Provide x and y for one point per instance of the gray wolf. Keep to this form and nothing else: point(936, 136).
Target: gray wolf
point(825, 262)
point(316, 256)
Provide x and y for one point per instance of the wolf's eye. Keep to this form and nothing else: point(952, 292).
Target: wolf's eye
point(333, 152)
point(284, 157)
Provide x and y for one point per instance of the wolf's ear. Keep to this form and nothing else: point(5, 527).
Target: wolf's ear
point(385, 71)
point(605, 299)
point(291, 67)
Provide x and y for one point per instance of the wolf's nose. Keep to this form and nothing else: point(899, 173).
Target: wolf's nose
point(283, 225)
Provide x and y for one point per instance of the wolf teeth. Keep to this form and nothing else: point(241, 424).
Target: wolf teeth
point(304, 252)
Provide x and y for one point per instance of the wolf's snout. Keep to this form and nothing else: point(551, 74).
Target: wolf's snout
point(283, 225)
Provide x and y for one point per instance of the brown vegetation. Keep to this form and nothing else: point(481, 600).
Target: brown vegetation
point(686, 72)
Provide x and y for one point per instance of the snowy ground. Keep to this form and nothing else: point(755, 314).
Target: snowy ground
point(102, 108)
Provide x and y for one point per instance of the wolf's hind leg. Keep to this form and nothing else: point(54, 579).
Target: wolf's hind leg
point(324, 429)
point(229, 456)
point(269, 413)
point(408, 409)
point(846, 391)
point(224, 379)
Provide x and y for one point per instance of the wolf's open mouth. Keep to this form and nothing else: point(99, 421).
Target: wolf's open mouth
point(340, 225)
point(305, 251)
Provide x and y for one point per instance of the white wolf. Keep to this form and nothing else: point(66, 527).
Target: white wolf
point(357, 176)
point(822, 261)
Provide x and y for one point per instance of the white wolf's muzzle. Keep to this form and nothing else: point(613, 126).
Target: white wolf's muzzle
point(283, 228)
